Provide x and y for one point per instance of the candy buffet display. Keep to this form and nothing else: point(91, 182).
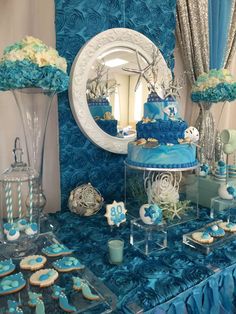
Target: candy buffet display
point(71, 288)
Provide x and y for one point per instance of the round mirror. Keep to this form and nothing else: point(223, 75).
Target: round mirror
point(108, 86)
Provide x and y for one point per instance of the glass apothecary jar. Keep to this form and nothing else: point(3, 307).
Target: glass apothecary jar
point(20, 207)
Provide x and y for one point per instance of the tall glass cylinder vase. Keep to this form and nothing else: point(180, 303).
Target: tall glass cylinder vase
point(207, 134)
point(34, 106)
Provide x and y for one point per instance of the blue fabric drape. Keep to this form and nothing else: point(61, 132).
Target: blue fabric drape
point(219, 15)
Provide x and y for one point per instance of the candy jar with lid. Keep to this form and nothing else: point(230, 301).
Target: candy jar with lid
point(20, 207)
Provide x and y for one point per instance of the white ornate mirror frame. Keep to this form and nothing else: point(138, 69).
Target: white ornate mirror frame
point(110, 39)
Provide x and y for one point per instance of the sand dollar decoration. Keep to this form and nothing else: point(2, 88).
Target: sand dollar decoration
point(85, 200)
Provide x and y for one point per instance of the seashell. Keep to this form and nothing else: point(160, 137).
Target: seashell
point(152, 140)
point(141, 141)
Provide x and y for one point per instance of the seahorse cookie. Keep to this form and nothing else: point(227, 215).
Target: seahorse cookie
point(67, 264)
point(12, 284)
point(6, 267)
point(202, 237)
point(33, 262)
point(44, 277)
point(228, 226)
point(56, 249)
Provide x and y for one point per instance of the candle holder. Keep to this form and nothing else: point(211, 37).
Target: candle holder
point(20, 203)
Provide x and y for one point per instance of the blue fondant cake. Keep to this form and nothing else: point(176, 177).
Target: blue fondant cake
point(165, 131)
point(108, 126)
point(158, 138)
point(98, 107)
point(162, 156)
point(154, 107)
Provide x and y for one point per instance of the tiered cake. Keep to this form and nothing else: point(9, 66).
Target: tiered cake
point(163, 139)
point(101, 111)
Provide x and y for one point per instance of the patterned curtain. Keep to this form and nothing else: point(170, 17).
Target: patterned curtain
point(206, 31)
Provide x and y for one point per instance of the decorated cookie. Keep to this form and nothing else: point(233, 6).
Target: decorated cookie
point(228, 226)
point(56, 250)
point(14, 307)
point(56, 291)
point(215, 231)
point(67, 264)
point(77, 283)
point(87, 294)
point(33, 262)
point(115, 213)
point(6, 267)
point(12, 284)
point(202, 237)
point(31, 229)
point(44, 278)
point(33, 298)
point(64, 304)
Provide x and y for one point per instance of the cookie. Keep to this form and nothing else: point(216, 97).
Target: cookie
point(33, 262)
point(6, 267)
point(44, 278)
point(56, 291)
point(215, 231)
point(14, 307)
point(67, 264)
point(228, 226)
point(87, 293)
point(12, 284)
point(202, 237)
point(56, 249)
point(33, 298)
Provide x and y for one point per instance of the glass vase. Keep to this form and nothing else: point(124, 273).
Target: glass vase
point(34, 105)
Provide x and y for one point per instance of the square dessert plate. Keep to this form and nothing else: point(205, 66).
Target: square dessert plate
point(206, 248)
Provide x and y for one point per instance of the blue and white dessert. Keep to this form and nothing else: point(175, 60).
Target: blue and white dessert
point(12, 284)
point(87, 293)
point(56, 291)
point(64, 304)
point(67, 264)
point(204, 170)
point(6, 267)
point(175, 145)
point(215, 231)
point(220, 172)
point(32, 229)
point(228, 226)
point(203, 237)
point(33, 262)
point(13, 234)
point(33, 298)
point(56, 249)
point(14, 307)
point(151, 214)
point(77, 283)
point(44, 277)
point(22, 224)
point(7, 227)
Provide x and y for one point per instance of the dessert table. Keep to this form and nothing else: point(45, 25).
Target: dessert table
point(174, 280)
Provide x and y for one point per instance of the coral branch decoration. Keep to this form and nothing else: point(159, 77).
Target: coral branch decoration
point(100, 86)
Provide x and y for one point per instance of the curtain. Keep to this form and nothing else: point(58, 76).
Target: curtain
point(206, 33)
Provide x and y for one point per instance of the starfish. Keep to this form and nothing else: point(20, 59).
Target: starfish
point(140, 71)
point(175, 211)
point(149, 212)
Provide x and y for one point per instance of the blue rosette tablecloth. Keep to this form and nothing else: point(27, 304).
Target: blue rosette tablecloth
point(175, 280)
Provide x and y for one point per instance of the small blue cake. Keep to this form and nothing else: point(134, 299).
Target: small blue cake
point(98, 107)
